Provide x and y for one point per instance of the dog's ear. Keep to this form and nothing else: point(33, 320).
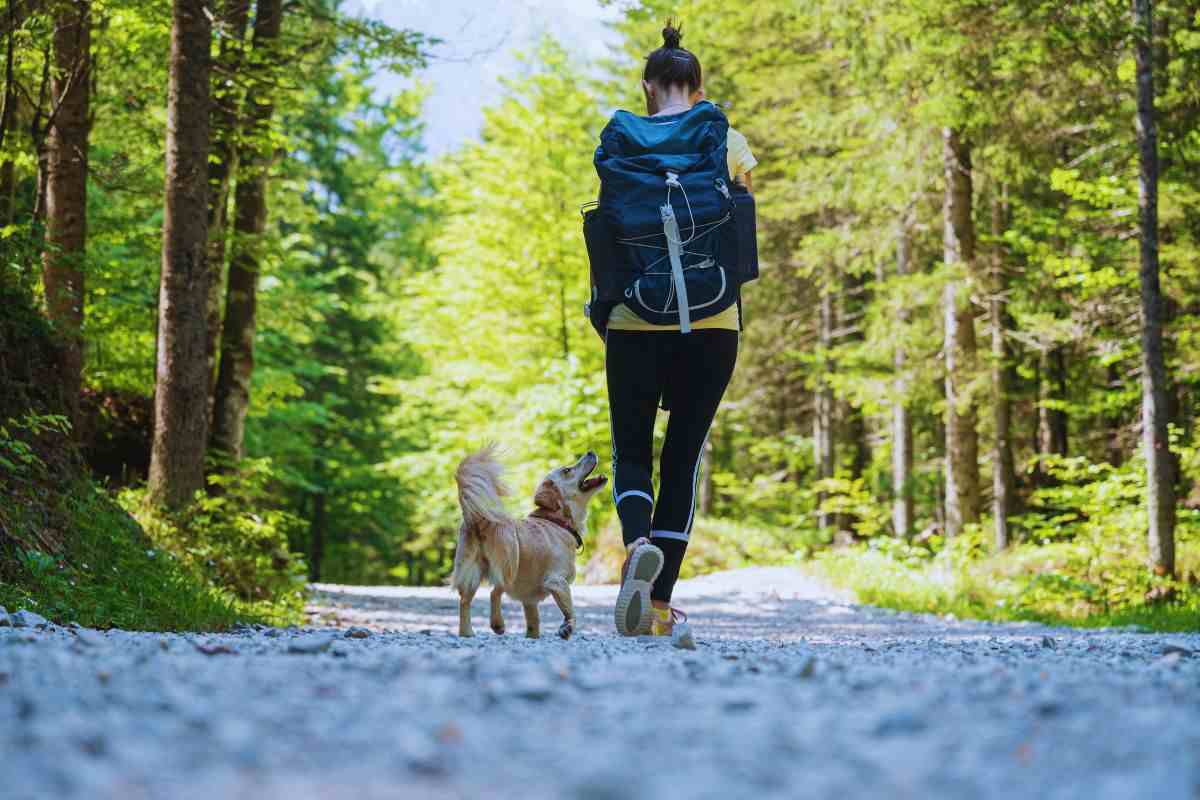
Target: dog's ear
point(549, 497)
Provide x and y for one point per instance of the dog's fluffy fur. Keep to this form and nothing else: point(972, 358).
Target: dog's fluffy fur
point(529, 558)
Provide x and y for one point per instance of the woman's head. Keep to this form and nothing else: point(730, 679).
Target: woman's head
point(672, 75)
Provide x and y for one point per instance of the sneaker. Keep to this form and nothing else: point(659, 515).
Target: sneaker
point(673, 622)
point(665, 620)
point(633, 613)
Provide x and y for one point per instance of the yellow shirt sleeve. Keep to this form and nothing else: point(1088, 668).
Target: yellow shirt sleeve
point(741, 160)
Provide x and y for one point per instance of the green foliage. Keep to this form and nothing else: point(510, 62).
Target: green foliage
point(235, 539)
point(1082, 560)
point(109, 574)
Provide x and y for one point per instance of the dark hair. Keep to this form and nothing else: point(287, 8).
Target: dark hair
point(671, 65)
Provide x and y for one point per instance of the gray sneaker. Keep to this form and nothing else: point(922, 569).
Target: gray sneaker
point(633, 612)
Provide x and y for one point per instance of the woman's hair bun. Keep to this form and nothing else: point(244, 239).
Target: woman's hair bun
point(672, 36)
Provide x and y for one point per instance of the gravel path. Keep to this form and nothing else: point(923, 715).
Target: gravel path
point(793, 692)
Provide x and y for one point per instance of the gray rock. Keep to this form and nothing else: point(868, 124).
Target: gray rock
point(1170, 649)
point(5, 622)
point(311, 645)
point(358, 633)
point(28, 619)
point(1049, 643)
point(88, 638)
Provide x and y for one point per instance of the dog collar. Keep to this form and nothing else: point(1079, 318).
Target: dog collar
point(560, 521)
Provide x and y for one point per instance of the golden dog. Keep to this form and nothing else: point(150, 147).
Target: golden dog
point(526, 558)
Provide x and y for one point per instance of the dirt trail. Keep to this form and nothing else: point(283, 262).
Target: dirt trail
point(793, 691)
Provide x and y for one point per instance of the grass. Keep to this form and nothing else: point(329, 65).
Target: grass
point(110, 574)
point(1025, 584)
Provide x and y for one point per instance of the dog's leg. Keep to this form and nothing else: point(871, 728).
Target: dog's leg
point(533, 622)
point(465, 596)
point(497, 618)
point(560, 590)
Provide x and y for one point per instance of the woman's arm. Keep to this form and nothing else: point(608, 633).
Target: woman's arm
point(746, 181)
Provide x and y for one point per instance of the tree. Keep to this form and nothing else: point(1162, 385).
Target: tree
point(1156, 445)
point(181, 382)
point(962, 463)
point(222, 169)
point(66, 190)
point(232, 393)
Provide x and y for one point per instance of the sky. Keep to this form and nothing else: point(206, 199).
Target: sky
point(481, 40)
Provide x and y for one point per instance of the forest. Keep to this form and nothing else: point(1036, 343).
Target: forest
point(249, 327)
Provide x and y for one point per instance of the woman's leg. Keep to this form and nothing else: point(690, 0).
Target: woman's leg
point(633, 363)
point(701, 366)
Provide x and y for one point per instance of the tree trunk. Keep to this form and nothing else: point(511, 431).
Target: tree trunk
point(1160, 489)
point(962, 462)
point(180, 419)
point(316, 551)
point(232, 397)
point(823, 417)
point(222, 167)
point(1052, 389)
point(1004, 473)
point(902, 443)
point(66, 192)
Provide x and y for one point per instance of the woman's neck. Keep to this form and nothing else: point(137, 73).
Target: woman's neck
point(673, 101)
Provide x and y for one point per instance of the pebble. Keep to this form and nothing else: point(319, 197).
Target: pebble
point(28, 619)
point(358, 633)
point(310, 645)
point(88, 637)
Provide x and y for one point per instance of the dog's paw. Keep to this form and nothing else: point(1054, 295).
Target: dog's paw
point(566, 629)
point(466, 634)
point(498, 628)
point(532, 634)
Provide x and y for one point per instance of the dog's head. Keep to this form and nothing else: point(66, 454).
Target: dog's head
point(568, 489)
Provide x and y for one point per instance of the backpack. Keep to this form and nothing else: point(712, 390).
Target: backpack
point(671, 235)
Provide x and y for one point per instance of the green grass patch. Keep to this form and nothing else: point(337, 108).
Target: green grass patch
point(1028, 583)
point(109, 573)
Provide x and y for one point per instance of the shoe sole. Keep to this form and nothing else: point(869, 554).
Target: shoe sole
point(633, 612)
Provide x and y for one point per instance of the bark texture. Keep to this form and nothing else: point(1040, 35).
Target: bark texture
point(222, 165)
point(1160, 489)
point(823, 402)
point(902, 455)
point(66, 192)
point(1004, 473)
point(180, 418)
point(232, 397)
point(962, 446)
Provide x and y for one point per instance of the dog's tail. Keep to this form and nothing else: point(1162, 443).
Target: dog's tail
point(481, 486)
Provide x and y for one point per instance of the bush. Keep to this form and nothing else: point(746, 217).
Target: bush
point(1082, 560)
point(108, 574)
point(234, 539)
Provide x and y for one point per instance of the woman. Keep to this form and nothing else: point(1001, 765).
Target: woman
point(643, 360)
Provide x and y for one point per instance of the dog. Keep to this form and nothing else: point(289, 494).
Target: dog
point(529, 558)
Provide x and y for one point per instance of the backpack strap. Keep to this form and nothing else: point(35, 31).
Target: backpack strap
point(675, 253)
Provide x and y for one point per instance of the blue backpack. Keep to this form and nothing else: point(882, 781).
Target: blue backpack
point(671, 236)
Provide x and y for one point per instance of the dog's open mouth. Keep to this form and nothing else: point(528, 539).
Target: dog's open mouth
point(588, 484)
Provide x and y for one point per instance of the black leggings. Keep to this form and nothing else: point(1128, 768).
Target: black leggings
point(689, 372)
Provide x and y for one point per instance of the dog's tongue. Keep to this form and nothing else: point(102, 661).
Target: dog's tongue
point(592, 483)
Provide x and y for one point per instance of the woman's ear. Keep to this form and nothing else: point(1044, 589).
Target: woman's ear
point(549, 497)
point(698, 95)
point(651, 102)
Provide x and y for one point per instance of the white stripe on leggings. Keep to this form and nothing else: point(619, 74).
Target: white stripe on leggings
point(633, 493)
point(683, 537)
